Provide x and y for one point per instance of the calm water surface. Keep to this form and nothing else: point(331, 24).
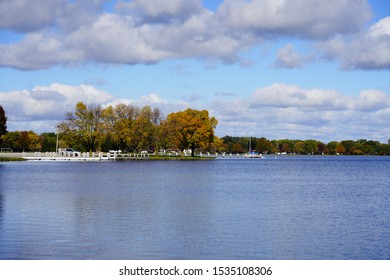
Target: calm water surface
point(284, 208)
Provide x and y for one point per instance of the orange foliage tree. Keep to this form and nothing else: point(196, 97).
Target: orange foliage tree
point(191, 129)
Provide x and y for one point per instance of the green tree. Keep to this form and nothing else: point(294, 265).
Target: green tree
point(48, 141)
point(349, 146)
point(3, 123)
point(311, 146)
point(235, 144)
point(191, 129)
point(332, 147)
point(369, 147)
point(84, 128)
point(384, 149)
point(263, 145)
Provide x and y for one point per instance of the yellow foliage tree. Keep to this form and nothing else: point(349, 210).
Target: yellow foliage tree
point(84, 126)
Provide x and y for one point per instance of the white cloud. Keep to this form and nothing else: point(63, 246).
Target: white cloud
point(289, 111)
point(27, 15)
point(48, 103)
point(31, 16)
point(381, 28)
point(43, 107)
point(284, 96)
point(369, 51)
point(300, 18)
point(151, 31)
point(372, 100)
point(155, 11)
point(120, 39)
point(36, 51)
point(288, 57)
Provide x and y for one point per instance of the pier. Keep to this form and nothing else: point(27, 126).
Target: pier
point(68, 156)
point(108, 156)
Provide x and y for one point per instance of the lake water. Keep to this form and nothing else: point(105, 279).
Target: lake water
point(285, 208)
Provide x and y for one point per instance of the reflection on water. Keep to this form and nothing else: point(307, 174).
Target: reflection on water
point(1, 209)
point(289, 208)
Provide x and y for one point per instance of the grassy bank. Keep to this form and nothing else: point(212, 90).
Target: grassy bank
point(11, 157)
point(3, 159)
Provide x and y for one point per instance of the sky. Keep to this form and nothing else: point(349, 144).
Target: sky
point(296, 69)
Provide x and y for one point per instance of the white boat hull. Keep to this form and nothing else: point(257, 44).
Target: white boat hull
point(253, 156)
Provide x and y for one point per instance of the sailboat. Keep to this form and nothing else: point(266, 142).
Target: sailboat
point(252, 154)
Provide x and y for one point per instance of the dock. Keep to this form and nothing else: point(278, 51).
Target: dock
point(52, 156)
point(113, 156)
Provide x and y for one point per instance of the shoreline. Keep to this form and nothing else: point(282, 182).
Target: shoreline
point(31, 156)
point(152, 157)
point(8, 159)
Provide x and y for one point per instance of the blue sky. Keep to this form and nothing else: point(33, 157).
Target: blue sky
point(279, 69)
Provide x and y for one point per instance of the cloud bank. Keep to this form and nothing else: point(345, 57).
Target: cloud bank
point(369, 51)
point(289, 111)
point(60, 32)
point(276, 111)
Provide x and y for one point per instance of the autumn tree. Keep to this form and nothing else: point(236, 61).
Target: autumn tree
point(118, 125)
point(191, 129)
point(262, 144)
point(284, 147)
point(10, 140)
point(218, 145)
point(163, 135)
point(29, 140)
point(237, 148)
point(22, 141)
point(84, 127)
point(145, 129)
point(299, 147)
point(340, 149)
point(321, 147)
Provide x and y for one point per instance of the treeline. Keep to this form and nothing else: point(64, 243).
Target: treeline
point(132, 129)
point(20, 141)
point(28, 141)
point(305, 147)
point(124, 127)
